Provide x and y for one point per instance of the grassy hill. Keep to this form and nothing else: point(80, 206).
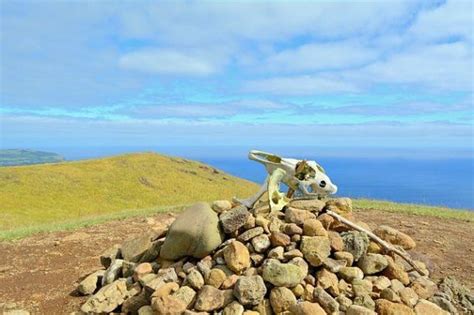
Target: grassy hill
point(13, 157)
point(51, 193)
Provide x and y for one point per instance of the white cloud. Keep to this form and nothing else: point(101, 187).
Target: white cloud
point(300, 85)
point(164, 61)
point(322, 56)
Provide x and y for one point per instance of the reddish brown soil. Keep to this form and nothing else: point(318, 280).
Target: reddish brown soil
point(40, 273)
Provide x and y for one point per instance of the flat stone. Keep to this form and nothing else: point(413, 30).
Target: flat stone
point(307, 308)
point(313, 205)
point(90, 283)
point(195, 232)
point(341, 206)
point(107, 298)
point(186, 295)
point(359, 310)
point(249, 234)
point(250, 290)
point(234, 219)
point(351, 273)
point(279, 239)
point(298, 217)
point(113, 272)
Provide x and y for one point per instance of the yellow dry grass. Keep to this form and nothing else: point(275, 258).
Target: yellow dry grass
point(54, 193)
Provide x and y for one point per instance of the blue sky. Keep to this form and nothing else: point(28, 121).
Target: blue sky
point(378, 74)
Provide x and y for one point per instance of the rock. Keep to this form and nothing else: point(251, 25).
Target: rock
point(107, 298)
point(134, 303)
point(395, 271)
point(344, 302)
point(315, 249)
point(186, 295)
point(113, 272)
point(292, 254)
point(395, 237)
point(351, 273)
point(381, 283)
point(165, 290)
point(292, 229)
point(281, 299)
point(298, 217)
point(89, 284)
point(424, 307)
point(372, 263)
point(216, 278)
point(234, 308)
point(234, 219)
point(280, 274)
point(341, 206)
point(168, 305)
point(237, 256)
point(390, 295)
point(384, 307)
point(145, 310)
point(361, 287)
point(279, 239)
point(307, 308)
point(337, 244)
point(425, 288)
point(359, 310)
point(195, 233)
point(261, 243)
point(195, 279)
point(249, 234)
point(264, 308)
point(110, 255)
point(220, 206)
point(365, 301)
point(328, 303)
point(250, 290)
point(134, 248)
point(302, 264)
point(313, 227)
point(444, 304)
point(209, 299)
point(408, 296)
point(356, 243)
point(141, 270)
point(251, 222)
point(345, 256)
point(313, 205)
point(328, 281)
point(276, 253)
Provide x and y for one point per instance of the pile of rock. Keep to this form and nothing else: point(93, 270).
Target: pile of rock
point(227, 259)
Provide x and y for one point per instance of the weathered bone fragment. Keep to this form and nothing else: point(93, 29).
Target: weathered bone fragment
point(307, 177)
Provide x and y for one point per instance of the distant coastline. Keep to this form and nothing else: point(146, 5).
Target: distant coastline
point(18, 157)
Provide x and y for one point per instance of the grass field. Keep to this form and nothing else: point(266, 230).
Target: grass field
point(53, 193)
point(51, 197)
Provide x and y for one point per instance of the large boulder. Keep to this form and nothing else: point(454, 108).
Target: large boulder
point(195, 233)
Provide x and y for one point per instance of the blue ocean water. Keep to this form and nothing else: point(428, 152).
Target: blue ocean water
point(439, 182)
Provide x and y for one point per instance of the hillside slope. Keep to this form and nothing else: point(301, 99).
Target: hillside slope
point(42, 194)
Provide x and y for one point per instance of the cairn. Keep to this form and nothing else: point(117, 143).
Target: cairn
point(227, 259)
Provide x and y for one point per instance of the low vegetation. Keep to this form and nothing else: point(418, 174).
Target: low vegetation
point(52, 193)
point(13, 157)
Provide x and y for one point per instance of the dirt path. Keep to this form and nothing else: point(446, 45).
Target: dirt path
point(40, 273)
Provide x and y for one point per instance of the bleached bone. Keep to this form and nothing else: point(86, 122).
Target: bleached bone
point(299, 175)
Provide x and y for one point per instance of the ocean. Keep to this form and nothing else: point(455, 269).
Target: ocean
point(426, 180)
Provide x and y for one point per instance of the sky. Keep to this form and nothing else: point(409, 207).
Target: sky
point(341, 75)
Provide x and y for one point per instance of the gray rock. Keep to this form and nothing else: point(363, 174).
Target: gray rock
point(186, 295)
point(250, 290)
point(356, 243)
point(261, 243)
point(234, 219)
point(280, 274)
point(90, 283)
point(133, 249)
point(195, 279)
point(444, 303)
point(107, 298)
point(110, 255)
point(195, 233)
point(113, 272)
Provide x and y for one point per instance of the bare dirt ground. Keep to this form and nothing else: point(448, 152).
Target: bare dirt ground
point(40, 273)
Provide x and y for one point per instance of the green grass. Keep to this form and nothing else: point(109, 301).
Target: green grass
point(84, 222)
point(53, 193)
point(415, 209)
